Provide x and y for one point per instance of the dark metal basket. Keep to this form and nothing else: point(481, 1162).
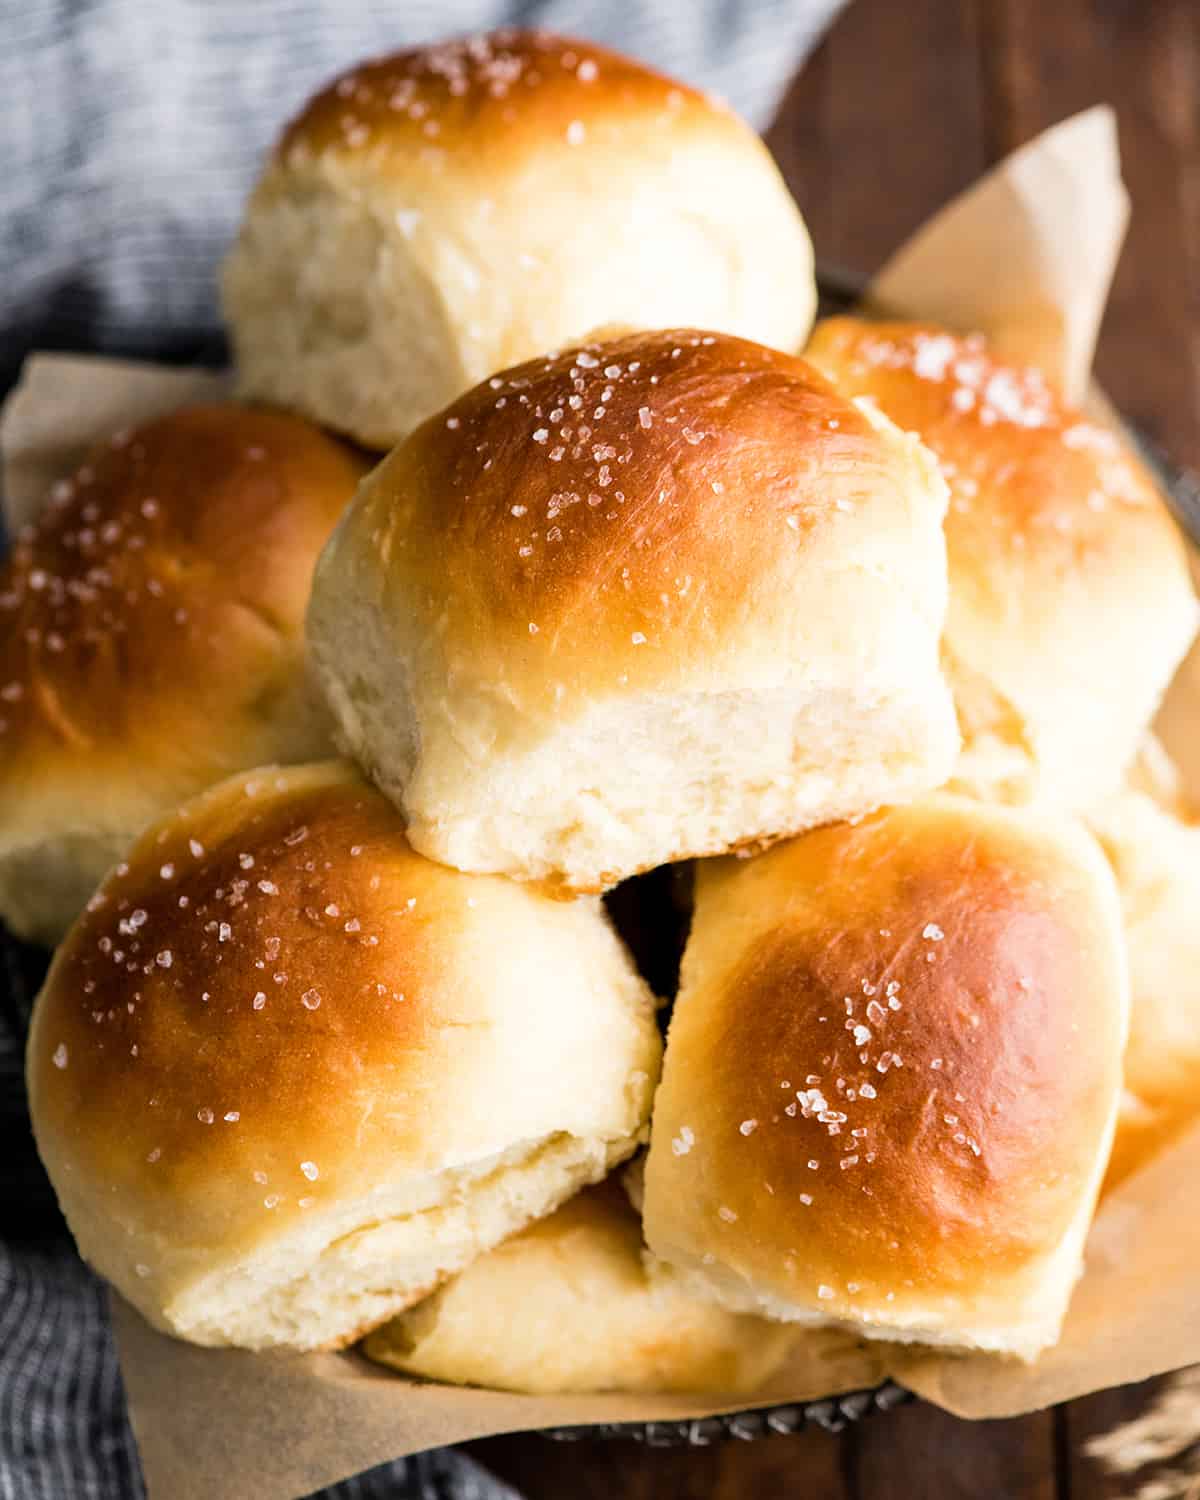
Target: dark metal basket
point(833, 1414)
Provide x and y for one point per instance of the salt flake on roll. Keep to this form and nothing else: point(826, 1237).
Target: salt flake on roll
point(151, 639)
point(286, 1075)
point(436, 214)
point(1071, 603)
point(924, 1015)
point(660, 596)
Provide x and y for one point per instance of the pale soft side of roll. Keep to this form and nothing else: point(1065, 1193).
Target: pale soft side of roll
point(1154, 850)
point(286, 1075)
point(573, 1303)
point(151, 639)
point(649, 598)
point(1070, 599)
point(441, 213)
point(892, 1076)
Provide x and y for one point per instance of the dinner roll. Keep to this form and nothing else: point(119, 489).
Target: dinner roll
point(574, 1304)
point(438, 214)
point(1070, 601)
point(151, 639)
point(641, 600)
point(892, 1076)
point(286, 1075)
point(1155, 856)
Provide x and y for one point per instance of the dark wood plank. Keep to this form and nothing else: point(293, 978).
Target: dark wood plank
point(884, 124)
point(811, 1464)
point(920, 1453)
point(799, 141)
point(1042, 62)
point(1126, 1465)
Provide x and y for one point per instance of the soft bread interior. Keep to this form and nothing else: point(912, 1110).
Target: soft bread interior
point(339, 1274)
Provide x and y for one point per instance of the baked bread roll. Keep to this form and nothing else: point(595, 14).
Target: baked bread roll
point(892, 1076)
point(286, 1075)
point(641, 600)
point(441, 213)
point(1155, 856)
point(574, 1304)
point(1070, 600)
point(151, 639)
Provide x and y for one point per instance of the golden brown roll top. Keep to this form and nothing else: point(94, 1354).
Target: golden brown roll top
point(644, 599)
point(488, 94)
point(285, 1074)
point(574, 1304)
point(440, 213)
point(150, 638)
point(1070, 600)
point(892, 1075)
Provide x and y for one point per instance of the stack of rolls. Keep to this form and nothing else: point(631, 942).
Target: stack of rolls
point(335, 1049)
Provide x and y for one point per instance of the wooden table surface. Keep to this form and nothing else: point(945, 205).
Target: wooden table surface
point(906, 103)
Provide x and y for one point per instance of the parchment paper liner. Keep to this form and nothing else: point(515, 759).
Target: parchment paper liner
point(1026, 256)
